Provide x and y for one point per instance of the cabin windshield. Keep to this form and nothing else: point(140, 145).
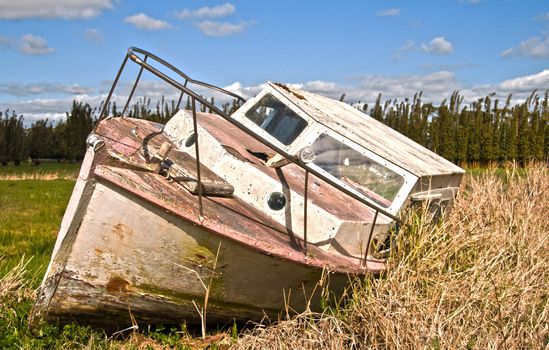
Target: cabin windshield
point(277, 119)
point(365, 175)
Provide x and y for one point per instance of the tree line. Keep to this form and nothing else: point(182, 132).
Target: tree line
point(482, 133)
point(43, 139)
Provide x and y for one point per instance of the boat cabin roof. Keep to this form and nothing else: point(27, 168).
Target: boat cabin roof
point(364, 130)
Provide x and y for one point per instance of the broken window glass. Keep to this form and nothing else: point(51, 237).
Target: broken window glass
point(277, 119)
point(367, 176)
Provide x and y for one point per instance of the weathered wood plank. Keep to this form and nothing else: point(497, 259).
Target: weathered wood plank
point(140, 144)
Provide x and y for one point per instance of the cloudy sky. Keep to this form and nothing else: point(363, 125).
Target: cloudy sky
point(55, 51)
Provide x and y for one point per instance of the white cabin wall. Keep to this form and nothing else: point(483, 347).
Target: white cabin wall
point(251, 184)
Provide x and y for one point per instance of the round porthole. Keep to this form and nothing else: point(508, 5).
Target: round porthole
point(190, 140)
point(276, 200)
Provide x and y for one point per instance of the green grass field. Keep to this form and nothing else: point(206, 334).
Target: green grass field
point(30, 214)
point(493, 227)
point(32, 203)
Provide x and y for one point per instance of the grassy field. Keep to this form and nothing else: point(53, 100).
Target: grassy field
point(32, 203)
point(30, 214)
point(478, 280)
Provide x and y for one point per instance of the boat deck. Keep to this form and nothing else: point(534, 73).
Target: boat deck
point(133, 143)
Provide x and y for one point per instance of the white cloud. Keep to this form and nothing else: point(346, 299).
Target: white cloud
point(245, 91)
point(434, 84)
point(68, 9)
point(207, 12)
point(429, 66)
point(94, 35)
point(54, 118)
point(213, 28)
point(388, 12)
point(34, 45)
point(436, 87)
point(526, 83)
point(39, 106)
point(53, 109)
point(142, 21)
point(153, 89)
point(536, 47)
point(320, 87)
point(409, 46)
point(20, 89)
point(438, 45)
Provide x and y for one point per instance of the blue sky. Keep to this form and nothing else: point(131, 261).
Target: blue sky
point(54, 51)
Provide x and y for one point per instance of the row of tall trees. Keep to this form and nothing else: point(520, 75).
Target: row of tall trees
point(64, 140)
point(164, 110)
point(481, 133)
point(12, 138)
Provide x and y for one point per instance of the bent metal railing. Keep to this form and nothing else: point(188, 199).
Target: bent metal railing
point(132, 54)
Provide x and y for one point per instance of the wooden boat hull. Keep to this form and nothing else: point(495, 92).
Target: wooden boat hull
point(134, 246)
point(125, 257)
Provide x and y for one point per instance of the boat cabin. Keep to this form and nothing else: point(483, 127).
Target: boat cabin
point(334, 146)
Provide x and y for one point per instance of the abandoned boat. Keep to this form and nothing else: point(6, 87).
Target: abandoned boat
point(245, 211)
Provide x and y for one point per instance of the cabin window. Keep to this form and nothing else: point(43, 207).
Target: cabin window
point(277, 119)
point(365, 175)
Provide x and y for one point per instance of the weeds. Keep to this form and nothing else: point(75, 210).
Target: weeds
point(16, 299)
point(478, 280)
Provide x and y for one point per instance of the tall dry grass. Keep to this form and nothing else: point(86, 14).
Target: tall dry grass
point(45, 171)
point(38, 176)
point(477, 280)
point(14, 281)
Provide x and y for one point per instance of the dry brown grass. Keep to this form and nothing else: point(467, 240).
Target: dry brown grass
point(45, 171)
point(14, 282)
point(38, 176)
point(479, 280)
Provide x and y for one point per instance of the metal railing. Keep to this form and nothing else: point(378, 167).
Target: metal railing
point(194, 96)
point(132, 54)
